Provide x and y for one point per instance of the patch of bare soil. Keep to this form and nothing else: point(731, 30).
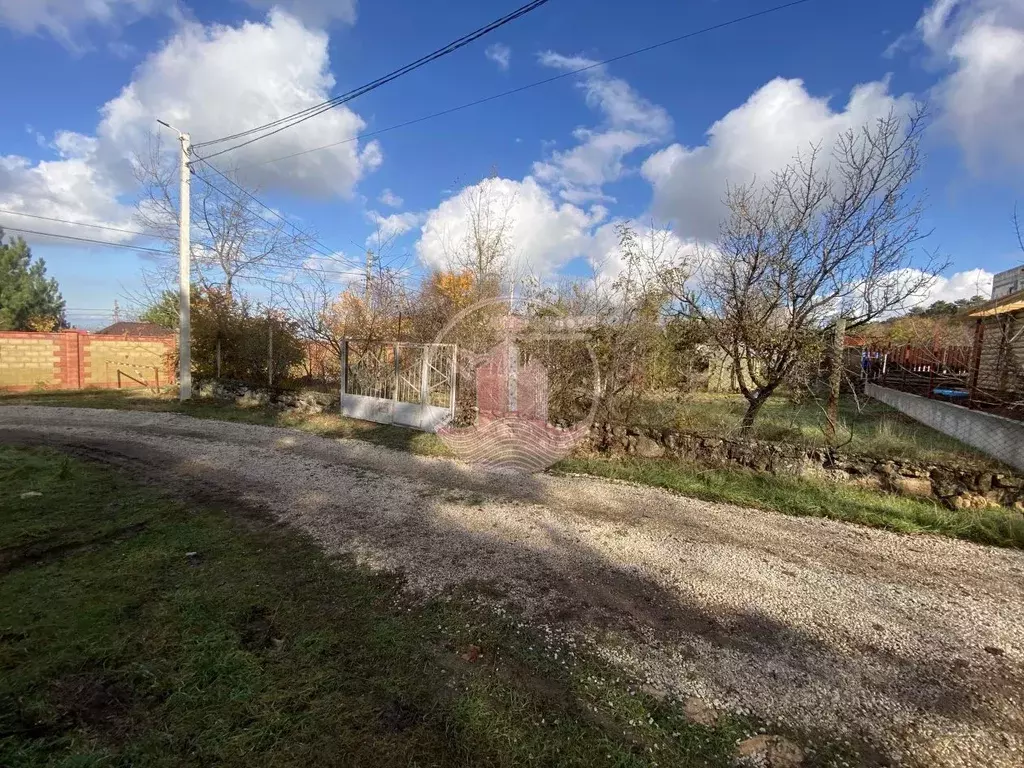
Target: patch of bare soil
point(912, 647)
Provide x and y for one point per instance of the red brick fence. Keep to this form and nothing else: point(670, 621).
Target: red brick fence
point(77, 360)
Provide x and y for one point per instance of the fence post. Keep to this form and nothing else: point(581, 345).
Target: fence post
point(270, 350)
point(454, 376)
point(398, 380)
point(79, 361)
point(344, 375)
point(979, 337)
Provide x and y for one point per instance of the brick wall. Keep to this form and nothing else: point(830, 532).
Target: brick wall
point(73, 360)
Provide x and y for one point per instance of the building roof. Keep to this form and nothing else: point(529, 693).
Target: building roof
point(134, 329)
point(1001, 306)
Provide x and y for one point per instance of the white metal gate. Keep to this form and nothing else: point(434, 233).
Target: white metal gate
point(412, 385)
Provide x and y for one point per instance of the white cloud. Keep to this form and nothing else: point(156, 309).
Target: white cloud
point(981, 100)
point(316, 13)
point(545, 235)
point(500, 54)
point(390, 199)
point(219, 80)
point(65, 20)
point(661, 249)
point(73, 188)
point(629, 122)
point(961, 285)
point(753, 140)
point(387, 228)
point(210, 81)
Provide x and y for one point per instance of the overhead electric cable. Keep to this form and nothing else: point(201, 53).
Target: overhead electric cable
point(289, 121)
point(76, 223)
point(82, 239)
point(535, 84)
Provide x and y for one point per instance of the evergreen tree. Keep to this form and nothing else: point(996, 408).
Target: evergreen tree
point(29, 301)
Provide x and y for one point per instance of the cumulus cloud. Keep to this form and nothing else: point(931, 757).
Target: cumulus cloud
point(545, 234)
point(753, 140)
point(219, 80)
point(961, 285)
point(66, 20)
point(660, 249)
point(500, 54)
point(629, 123)
point(387, 228)
point(211, 81)
point(981, 100)
point(390, 199)
point(316, 13)
point(73, 188)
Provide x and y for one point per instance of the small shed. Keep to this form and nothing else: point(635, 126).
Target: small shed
point(999, 344)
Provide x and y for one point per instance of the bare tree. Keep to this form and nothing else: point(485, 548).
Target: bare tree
point(486, 249)
point(826, 237)
point(330, 315)
point(624, 322)
point(231, 237)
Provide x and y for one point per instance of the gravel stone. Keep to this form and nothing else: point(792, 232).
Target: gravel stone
point(853, 633)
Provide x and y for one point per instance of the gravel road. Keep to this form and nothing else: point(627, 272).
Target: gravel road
point(910, 647)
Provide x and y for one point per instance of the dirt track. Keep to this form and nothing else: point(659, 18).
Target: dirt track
point(911, 647)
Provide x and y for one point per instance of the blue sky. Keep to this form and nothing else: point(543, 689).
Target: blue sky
point(627, 141)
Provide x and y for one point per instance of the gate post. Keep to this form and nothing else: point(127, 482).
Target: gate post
point(398, 381)
point(425, 374)
point(453, 376)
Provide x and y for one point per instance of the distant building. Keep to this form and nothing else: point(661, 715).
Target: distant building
point(1008, 282)
point(135, 330)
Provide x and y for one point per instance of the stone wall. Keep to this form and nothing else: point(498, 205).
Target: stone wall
point(245, 396)
point(957, 487)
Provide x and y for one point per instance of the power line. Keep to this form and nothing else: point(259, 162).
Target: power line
point(77, 223)
point(275, 265)
point(323, 250)
point(545, 81)
point(86, 240)
point(310, 112)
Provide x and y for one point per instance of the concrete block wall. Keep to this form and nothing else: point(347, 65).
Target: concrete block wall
point(997, 436)
point(73, 360)
point(29, 360)
point(144, 359)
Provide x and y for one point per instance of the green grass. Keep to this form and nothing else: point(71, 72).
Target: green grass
point(118, 648)
point(324, 425)
point(793, 496)
point(869, 428)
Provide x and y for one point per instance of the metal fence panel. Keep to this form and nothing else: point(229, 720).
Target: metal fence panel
point(412, 385)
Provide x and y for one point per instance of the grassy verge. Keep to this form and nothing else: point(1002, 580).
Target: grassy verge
point(793, 496)
point(135, 630)
point(324, 424)
point(870, 427)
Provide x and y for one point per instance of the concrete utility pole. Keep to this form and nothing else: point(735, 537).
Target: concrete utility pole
point(184, 271)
